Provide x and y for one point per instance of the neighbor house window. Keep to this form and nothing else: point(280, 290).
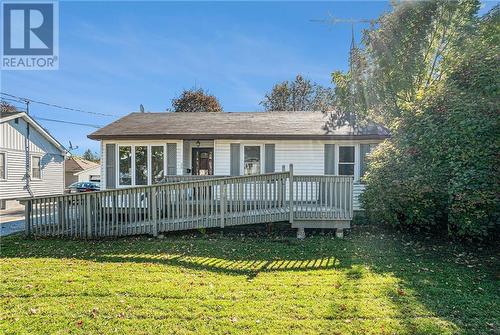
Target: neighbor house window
point(3, 166)
point(346, 161)
point(36, 171)
point(157, 163)
point(125, 165)
point(141, 165)
point(251, 160)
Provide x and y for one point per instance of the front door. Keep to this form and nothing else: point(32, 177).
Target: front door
point(202, 161)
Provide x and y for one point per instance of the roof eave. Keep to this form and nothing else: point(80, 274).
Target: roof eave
point(238, 137)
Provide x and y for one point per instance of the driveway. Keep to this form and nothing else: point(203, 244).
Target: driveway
point(11, 220)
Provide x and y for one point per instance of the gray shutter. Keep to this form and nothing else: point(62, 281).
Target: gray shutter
point(329, 159)
point(110, 166)
point(235, 159)
point(171, 159)
point(186, 157)
point(269, 152)
point(364, 150)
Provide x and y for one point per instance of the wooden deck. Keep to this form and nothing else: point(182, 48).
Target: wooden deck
point(304, 201)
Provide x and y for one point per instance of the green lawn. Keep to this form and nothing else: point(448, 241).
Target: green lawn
point(372, 282)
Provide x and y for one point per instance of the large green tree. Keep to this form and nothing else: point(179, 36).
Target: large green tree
point(430, 72)
point(301, 94)
point(196, 100)
point(401, 57)
point(91, 156)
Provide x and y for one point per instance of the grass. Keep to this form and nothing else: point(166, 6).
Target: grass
point(373, 282)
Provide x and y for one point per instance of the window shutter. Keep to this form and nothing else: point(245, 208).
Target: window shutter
point(110, 166)
point(235, 159)
point(171, 159)
point(269, 152)
point(364, 149)
point(329, 159)
point(186, 157)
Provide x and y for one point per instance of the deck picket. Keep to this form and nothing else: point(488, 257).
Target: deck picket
point(191, 204)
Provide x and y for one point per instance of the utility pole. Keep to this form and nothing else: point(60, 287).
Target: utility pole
point(27, 175)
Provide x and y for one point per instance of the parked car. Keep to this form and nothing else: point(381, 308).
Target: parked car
point(83, 186)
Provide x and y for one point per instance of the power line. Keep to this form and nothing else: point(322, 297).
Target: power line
point(10, 99)
point(22, 99)
point(68, 122)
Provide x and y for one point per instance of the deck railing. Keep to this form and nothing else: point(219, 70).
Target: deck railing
point(183, 205)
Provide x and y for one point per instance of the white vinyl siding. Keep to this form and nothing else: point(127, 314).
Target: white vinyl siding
point(306, 156)
point(3, 166)
point(52, 182)
point(12, 137)
point(12, 143)
point(89, 174)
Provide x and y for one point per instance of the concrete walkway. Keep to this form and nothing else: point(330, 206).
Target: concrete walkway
point(11, 227)
point(11, 220)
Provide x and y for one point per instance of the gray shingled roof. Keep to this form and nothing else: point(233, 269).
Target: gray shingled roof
point(242, 125)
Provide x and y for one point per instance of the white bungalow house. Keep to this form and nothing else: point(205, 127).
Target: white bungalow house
point(31, 160)
point(141, 148)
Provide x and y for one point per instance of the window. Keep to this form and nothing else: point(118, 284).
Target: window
point(125, 165)
point(251, 160)
point(141, 165)
point(157, 159)
point(36, 171)
point(346, 161)
point(3, 166)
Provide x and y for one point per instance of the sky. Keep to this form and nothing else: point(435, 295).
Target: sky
point(115, 56)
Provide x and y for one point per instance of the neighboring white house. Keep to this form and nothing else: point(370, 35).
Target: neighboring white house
point(140, 148)
point(78, 169)
point(31, 160)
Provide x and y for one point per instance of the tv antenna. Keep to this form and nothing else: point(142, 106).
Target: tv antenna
point(332, 20)
point(71, 147)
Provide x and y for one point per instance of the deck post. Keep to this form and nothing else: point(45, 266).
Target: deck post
point(290, 187)
point(27, 217)
point(339, 233)
point(301, 233)
point(222, 203)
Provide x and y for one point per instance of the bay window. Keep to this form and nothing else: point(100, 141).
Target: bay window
point(157, 163)
point(125, 165)
point(141, 165)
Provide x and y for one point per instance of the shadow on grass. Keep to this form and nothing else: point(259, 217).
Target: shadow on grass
point(247, 267)
point(387, 280)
